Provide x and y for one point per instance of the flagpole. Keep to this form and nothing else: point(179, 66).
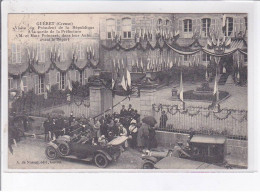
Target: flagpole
point(113, 68)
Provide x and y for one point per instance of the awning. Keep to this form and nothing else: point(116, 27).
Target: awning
point(208, 139)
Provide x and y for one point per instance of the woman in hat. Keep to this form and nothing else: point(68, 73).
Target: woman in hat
point(133, 132)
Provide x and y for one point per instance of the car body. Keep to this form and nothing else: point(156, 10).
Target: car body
point(206, 152)
point(101, 155)
point(181, 163)
point(151, 157)
point(205, 148)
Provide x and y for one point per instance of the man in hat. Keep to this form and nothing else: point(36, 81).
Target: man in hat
point(163, 120)
point(71, 118)
point(130, 110)
point(178, 151)
point(123, 111)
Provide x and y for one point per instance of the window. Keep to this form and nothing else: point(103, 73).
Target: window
point(245, 58)
point(228, 26)
point(111, 28)
point(80, 51)
point(187, 25)
point(159, 22)
point(246, 22)
point(81, 77)
point(205, 26)
point(62, 81)
point(11, 84)
point(58, 79)
point(77, 76)
point(167, 22)
point(205, 57)
point(41, 52)
point(185, 58)
point(16, 53)
point(41, 84)
point(61, 52)
point(25, 86)
point(126, 28)
point(86, 75)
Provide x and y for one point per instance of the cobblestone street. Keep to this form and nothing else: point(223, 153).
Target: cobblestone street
point(30, 154)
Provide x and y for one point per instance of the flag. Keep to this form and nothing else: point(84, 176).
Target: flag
point(224, 24)
point(21, 86)
point(113, 83)
point(228, 42)
point(142, 66)
point(123, 83)
point(171, 64)
point(224, 20)
point(69, 85)
point(128, 77)
point(209, 42)
point(224, 70)
point(114, 73)
point(33, 55)
point(238, 76)
point(181, 88)
point(28, 53)
point(47, 87)
point(215, 92)
point(206, 75)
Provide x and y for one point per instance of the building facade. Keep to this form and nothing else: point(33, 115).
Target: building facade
point(40, 65)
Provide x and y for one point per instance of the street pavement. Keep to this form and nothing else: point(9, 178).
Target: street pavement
point(237, 99)
point(30, 154)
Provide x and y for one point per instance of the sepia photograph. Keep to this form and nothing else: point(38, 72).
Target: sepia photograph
point(141, 91)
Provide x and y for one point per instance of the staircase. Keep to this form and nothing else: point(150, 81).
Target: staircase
point(223, 78)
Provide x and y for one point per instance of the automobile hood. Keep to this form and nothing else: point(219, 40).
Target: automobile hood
point(118, 140)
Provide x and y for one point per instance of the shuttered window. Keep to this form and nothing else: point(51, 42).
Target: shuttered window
point(40, 55)
point(126, 28)
point(111, 28)
point(206, 22)
point(229, 25)
point(187, 25)
point(16, 53)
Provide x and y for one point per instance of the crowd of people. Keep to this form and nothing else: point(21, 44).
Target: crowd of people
point(104, 129)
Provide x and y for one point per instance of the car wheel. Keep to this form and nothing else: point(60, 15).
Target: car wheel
point(64, 149)
point(51, 153)
point(101, 160)
point(148, 165)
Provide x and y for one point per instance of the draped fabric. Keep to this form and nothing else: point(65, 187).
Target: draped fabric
point(31, 68)
point(160, 44)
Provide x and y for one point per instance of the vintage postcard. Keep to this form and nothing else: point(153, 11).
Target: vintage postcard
point(141, 91)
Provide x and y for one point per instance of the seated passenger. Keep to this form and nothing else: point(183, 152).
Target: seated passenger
point(85, 138)
point(102, 140)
